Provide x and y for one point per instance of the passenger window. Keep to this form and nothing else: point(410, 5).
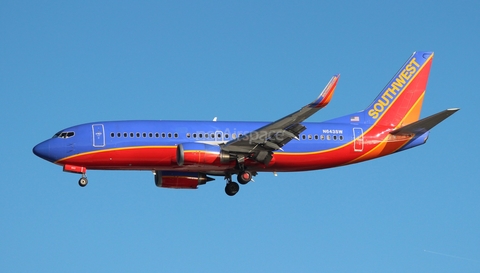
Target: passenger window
point(303, 137)
point(200, 135)
point(188, 135)
point(328, 137)
point(144, 134)
point(119, 134)
point(125, 135)
point(150, 135)
point(194, 135)
point(316, 137)
point(112, 134)
point(226, 136)
point(175, 135)
point(138, 134)
point(157, 135)
point(322, 137)
point(170, 135)
point(334, 137)
point(310, 137)
point(131, 134)
point(212, 136)
point(234, 136)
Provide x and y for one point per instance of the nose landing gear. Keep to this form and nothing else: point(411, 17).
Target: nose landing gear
point(77, 169)
point(83, 181)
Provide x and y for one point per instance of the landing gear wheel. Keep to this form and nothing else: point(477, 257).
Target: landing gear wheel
point(231, 188)
point(83, 182)
point(244, 177)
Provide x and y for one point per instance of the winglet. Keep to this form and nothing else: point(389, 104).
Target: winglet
point(326, 94)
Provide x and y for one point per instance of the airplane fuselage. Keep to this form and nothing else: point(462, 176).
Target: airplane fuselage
point(152, 145)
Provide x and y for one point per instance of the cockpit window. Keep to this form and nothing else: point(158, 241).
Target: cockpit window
point(64, 134)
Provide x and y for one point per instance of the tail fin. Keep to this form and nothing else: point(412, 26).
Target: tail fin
point(400, 102)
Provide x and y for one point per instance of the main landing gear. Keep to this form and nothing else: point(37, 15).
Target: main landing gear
point(231, 188)
point(243, 178)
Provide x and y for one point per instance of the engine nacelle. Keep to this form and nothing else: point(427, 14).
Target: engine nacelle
point(193, 153)
point(180, 180)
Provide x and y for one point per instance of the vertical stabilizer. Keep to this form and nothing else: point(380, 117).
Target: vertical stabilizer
point(400, 102)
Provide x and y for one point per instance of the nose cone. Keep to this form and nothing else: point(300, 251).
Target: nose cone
point(43, 150)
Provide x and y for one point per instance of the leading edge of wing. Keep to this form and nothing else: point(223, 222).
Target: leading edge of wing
point(289, 126)
point(308, 110)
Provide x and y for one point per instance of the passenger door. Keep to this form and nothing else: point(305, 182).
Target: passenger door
point(98, 135)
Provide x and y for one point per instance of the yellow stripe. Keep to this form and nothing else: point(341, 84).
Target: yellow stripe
point(406, 86)
point(383, 141)
point(420, 99)
point(378, 120)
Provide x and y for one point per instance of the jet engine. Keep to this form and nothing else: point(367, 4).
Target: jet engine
point(180, 180)
point(193, 153)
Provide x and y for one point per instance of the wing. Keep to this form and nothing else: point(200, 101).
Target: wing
point(260, 144)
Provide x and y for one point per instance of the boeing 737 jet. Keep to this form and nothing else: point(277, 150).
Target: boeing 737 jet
point(186, 154)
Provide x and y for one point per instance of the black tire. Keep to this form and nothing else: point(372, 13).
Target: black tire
point(244, 177)
point(83, 182)
point(231, 188)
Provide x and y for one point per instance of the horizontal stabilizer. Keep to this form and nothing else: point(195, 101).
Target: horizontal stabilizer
point(424, 125)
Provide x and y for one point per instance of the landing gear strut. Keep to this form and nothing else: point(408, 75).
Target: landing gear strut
point(232, 187)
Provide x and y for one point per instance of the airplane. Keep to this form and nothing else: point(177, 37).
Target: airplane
point(186, 154)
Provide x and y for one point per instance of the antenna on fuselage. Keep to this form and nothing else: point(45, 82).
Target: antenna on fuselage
point(215, 119)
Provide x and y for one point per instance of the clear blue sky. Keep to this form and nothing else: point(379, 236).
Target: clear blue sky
point(64, 63)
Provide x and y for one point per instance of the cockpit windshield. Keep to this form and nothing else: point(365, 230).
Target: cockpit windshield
point(62, 134)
